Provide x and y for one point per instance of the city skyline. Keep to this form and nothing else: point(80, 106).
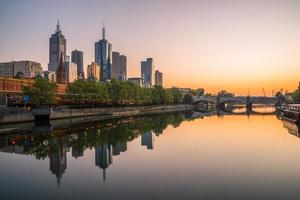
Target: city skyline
point(238, 46)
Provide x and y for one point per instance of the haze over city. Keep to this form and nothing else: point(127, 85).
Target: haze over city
point(240, 46)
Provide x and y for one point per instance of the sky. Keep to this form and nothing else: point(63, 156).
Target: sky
point(242, 46)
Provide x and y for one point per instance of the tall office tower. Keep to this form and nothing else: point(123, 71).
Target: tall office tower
point(158, 78)
point(93, 71)
point(119, 66)
point(147, 72)
point(57, 48)
point(103, 56)
point(77, 57)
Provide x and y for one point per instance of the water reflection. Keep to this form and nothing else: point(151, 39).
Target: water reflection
point(109, 138)
point(292, 128)
point(211, 145)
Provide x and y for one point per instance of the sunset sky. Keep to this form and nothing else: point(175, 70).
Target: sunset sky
point(238, 45)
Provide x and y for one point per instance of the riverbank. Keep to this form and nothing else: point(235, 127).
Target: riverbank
point(105, 113)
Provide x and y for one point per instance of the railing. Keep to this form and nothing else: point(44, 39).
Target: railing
point(295, 107)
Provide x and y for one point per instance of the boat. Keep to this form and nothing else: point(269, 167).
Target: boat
point(292, 113)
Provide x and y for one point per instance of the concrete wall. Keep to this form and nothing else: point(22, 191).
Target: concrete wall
point(17, 116)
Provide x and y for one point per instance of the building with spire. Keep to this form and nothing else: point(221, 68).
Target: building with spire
point(103, 57)
point(61, 72)
point(57, 48)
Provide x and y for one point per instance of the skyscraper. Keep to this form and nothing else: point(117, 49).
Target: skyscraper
point(147, 72)
point(57, 48)
point(103, 56)
point(158, 78)
point(77, 57)
point(119, 66)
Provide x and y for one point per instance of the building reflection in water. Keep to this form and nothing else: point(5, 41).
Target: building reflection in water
point(103, 157)
point(54, 142)
point(58, 158)
point(119, 147)
point(77, 152)
point(147, 139)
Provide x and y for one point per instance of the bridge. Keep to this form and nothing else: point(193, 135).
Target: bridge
point(197, 114)
point(237, 99)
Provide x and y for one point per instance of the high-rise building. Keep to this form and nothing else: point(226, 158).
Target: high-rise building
point(57, 48)
point(93, 71)
point(158, 78)
point(28, 69)
point(77, 57)
point(147, 72)
point(71, 72)
point(103, 57)
point(119, 66)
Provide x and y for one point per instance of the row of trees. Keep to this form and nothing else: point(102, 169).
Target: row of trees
point(120, 93)
point(91, 92)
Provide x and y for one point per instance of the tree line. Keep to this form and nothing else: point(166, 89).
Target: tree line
point(92, 92)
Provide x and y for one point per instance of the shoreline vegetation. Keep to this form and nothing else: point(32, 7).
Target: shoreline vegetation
point(92, 93)
point(86, 98)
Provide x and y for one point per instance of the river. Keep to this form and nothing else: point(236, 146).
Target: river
point(171, 156)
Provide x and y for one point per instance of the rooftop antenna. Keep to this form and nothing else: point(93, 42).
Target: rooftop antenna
point(103, 31)
point(57, 26)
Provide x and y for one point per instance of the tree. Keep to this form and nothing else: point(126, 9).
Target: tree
point(41, 92)
point(177, 95)
point(167, 97)
point(296, 95)
point(117, 91)
point(188, 99)
point(87, 90)
point(158, 94)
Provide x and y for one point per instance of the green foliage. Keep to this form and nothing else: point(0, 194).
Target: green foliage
point(41, 92)
point(118, 92)
point(177, 95)
point(296, 95)
point(188, 99)
point(87, 90)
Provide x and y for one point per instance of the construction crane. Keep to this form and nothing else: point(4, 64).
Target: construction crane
point(263, 89)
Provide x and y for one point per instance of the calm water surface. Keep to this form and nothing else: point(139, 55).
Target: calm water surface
point(178, 156)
